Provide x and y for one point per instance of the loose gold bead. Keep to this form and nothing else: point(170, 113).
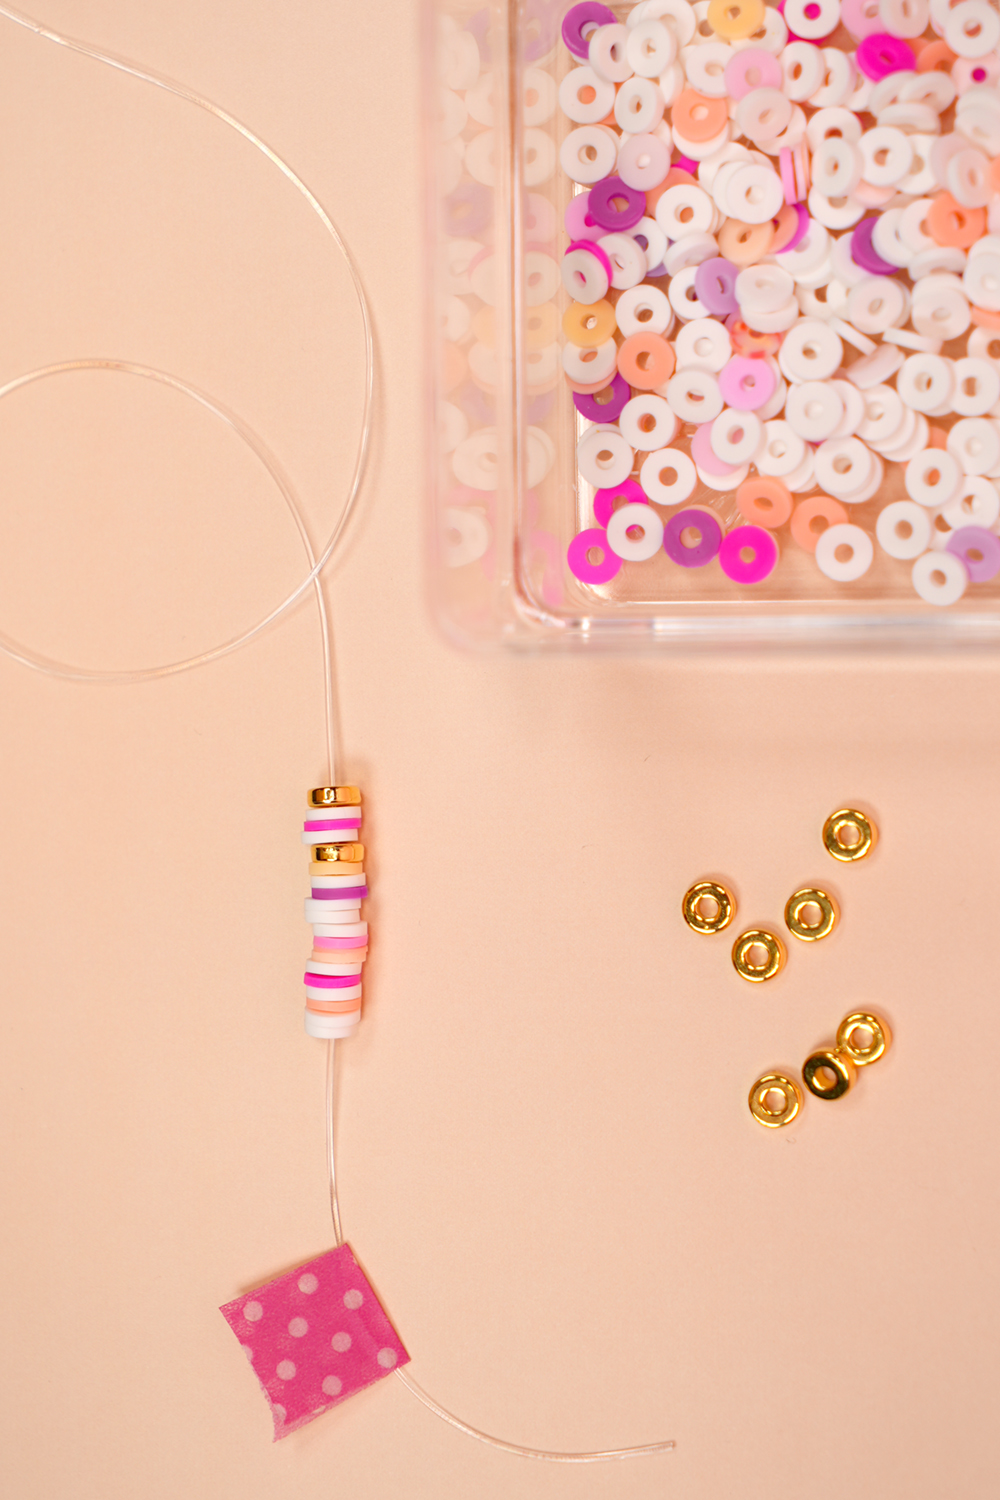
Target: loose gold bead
point(334, 796)
point(861, 1054)
point(762, 1100)
point(745, 960)
point(816, 1072)
point(334, 854)
point(848, 835)
point(797, 907)
point(708, 906)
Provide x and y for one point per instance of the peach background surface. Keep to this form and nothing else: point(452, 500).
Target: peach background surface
point(548, 1167)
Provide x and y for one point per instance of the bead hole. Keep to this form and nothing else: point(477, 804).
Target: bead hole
point(862, 1038)
point(810, 914)
point(691, 537)
point(756, 956)
point(773, 1102)
point(708, 908)
point(825, 1079)
point(667, 477)
point(848, 835)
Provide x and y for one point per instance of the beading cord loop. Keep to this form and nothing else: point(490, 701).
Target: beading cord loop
point(318, 560)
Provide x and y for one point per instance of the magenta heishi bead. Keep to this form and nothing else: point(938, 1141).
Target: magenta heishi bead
point(616, 206)
point(707, 547)
point(761, 563)
point(979, 550)
point(629, 492)
point(610, 410)
point(880, 54)
point(588, 15)
point(864, 255)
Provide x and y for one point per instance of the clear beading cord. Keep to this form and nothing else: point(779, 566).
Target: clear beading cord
point(317, 561)
point(596, 1457)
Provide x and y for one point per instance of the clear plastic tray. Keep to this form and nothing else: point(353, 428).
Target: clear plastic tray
point(506, 498)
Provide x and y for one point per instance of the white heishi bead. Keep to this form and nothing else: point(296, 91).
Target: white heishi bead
point(972, 28)
point(854, 407)
point(589, 365)
point(330, 912)
point(781, 451)
point(694, 396)
point(884, 417)
point(604, 458)
point(841, 79)
point(977, 387)
point(690, 251)
point(926, 382)
point(639, 106)
point(575, 160)
point(647, 422)
point(736, 437)
point(663, 490)
point(704, 343)
point(589, 112)
point(976, 504)
point(875, 304)
point(905, 18)
point(651, 47)
point(940, 578)
point(932, 478)
point(635, 549)
point(763, 288)
point(803, 68)
point(331, 1027)
point(607, 53)
point(343, 970)
point(628, 260)
point(340, 929)
point(887, 155)
point(814, 410)
point(644, 299)
point(811, 350)
point(682, 295)
point(981, 280)
point(844, 467)
point(859, 546)
point(903, 530)
point(975, 443)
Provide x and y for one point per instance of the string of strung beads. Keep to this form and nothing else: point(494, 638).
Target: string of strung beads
point(333, 909)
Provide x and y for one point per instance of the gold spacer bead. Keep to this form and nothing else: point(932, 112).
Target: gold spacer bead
point(794, 918)
point(334, 854)
point(708, 891)
point(775, 1083)
point(847, 820)
point(744, 965)
point(334, 796)
point(828, 1060)
point(863, 1020)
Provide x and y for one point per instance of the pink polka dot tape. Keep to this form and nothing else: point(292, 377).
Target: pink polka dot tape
point(315, 1336)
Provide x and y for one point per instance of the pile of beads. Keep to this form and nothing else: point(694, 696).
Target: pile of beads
point(811, 914)
point(774, 244)
point(829, 1073)
point(333, 907)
